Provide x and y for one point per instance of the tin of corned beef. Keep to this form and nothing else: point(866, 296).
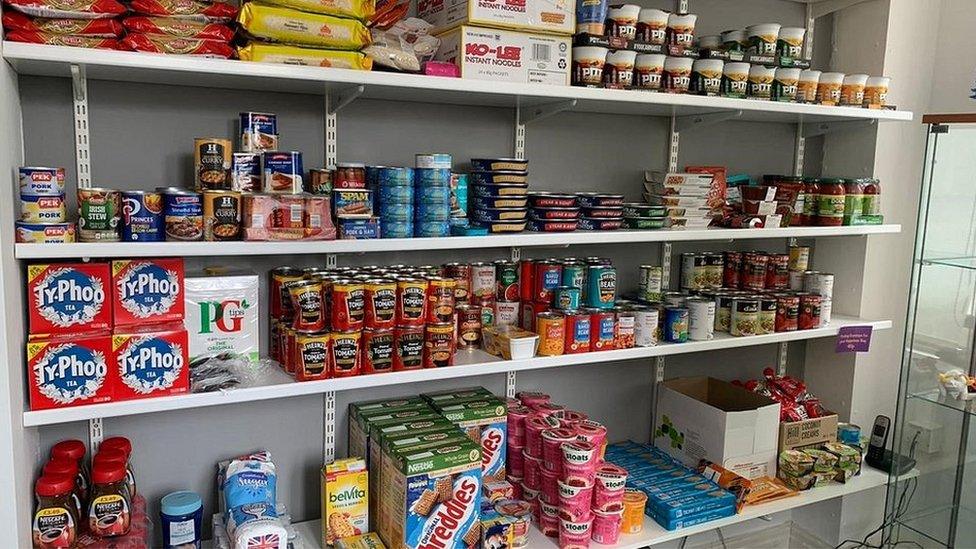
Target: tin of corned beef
point(577, 331)
point(599, 200)
point(377, 349)
point(408, 348)
point(552, 200)
point(603, 329)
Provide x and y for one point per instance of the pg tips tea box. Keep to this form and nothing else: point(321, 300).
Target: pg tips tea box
point(70, 371)
point(434, 497)
point(223, 315)
point(485, 420)
point(147, 290)
point(68, 298)
point(151, 362)
point(507, 56)
point(345, 500)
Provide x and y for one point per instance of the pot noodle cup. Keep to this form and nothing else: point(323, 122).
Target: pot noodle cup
point(677, 74)
point(618, 72)
point(852, 89)
point(706, 76)
point(634, 502)
point(710, 42)
point(735, 79)
point(516, 459)
point(622, 20)
point(785, 84)
point(652, 25)
point(806, 88)
point(681, 29)
point(876, 91)
point(762, 38)
point(761, 82)
point(735, 40)
point(790, 41)
point(575, 502)
point(606, 526)
point(588, 64)
point(593, 432)
point(574, 534)
point(532, 471)
point(828, 89)
point(648, 69)
point(534, 426)
point(550, 485)
point(549, 519)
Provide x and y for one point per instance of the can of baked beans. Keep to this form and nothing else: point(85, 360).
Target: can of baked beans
point(411, 304)
point(645, 326)
point(601, 285)
point(306, 299)
point(506, 280)
point(461, 273)
point(778, 272)
point(348, 305)
point(312, 351)
point(787, 312)
point(380, 303)
point(732, 269)
point(440, 299)
point(546, 276)
point(574, 273)
point(377, 351)
point(551, 329)
point(439, 345)
point(809, 311)
point(603, 329)
point(221, 215)
point(768, 305)
point(408, 348)
point(345, 353)
point(526, 280)
point(754, 270)
point(469, 326)
point(482, 280)
point(577, 332)
point(626, 328)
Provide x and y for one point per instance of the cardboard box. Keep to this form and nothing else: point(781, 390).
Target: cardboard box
point(507, 56)
point(344, 500)
point(69, 298)
point(147, 290)
point(485, 421)
point(357, 410)
point(706, 418)
point(70, 371)
point(151, 361)
point(798, 434)
point(549, 16)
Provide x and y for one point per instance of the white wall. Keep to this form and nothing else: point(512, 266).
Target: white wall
point(955, 60)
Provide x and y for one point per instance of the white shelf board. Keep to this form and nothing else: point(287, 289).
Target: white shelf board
point(527, 239)
point(468, 363)
point(311, 533)
point(43, 60)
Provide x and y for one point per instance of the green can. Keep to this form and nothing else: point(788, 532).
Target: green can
point(574, 274)
point(601, 286)
point(99, 212)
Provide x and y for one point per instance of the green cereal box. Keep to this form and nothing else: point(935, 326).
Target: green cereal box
point(359, 421)
point(432, 497)
point(485, 421)
point(456, 395)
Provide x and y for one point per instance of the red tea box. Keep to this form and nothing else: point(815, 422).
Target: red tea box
point(70, 371)
point(68, 298)
point(151, 361)
point(147, 290)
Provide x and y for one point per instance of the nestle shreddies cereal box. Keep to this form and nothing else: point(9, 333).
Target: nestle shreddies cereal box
point(357, 411)
point(68, 298)
point(147, 290)
point(433, 496)
point(457, 395)
point(344, 500)
point(151, 361)
point(70, 371)
point(485, 420)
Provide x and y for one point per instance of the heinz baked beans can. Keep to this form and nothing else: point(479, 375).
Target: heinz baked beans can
point(408, 348)
point(411, 306)
point(380, 303)
point(506, 280)
point(469, 322)
point(348, 305)
point(440, 299)
point(574, 273)
point(346, 354)
point(645, 326)
point(626, 328)
point(142, 216)
point(601, 286)
point(577, 332)
point(551, 329)
point(221, 215)
point(506, 313)
point(603, 329)
point(312, 351)
point(439, 345)
point(567, 298)
point(377, 351)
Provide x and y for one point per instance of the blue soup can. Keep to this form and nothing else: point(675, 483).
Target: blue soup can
point(433, 177)
point(180, 515)
point(676, 324)
point(567, 297)
point(142, 216)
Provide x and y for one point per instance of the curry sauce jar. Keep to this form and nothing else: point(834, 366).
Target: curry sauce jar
point(377, 350)
point(345, 353)
point(221, 215)
point(348, 305)
point(380, 303)
point(439, 345)
point(42, 208)
point(408, 348)
point(551, 329)
point(411, 304)
point(313, 355)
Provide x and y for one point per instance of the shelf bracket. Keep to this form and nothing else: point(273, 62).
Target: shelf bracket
point(345, 97)
point(331, 261)
point(79, 99)
point(831, 127)
point(516, 254)
point(510, 379)
point(784, 349)
point(328, 427)
point(96, 433)
point(534, 114)
point(659, 373)
point(799, 150)
point(519, 151)
point(693, 121)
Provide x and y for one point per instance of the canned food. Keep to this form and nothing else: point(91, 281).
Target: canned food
point(506, 280)
point(183, 215)
point(676, 324)
point(319, 181)
point(574, 274)
point(245, 172)
point(809, 311)
point(259, 131)
point(626, 328)
point(45, 233)
point(601, 285)
point(693, 272)
point(439, 345)
point(142, 216)
point(799, 258)
point(599, 200)
point(482, 280)
point(282, 172)
point(433, 177)
point(288, 348)
point(349, 175)
point(645, 326)
point(826, 305)
point(387, 177)
point(649, 284)
point(348, 305)
point(221, 215)
point(274, 343)
point(527, 280)
point(440, 299)
point(281, 306)
point(768, 304)
point(99, 212)
point(577, 332)
point(754, 270)
point(461, 273)
point(714, 270)
point(377, 351)
point(731, 269)
point(408, 348)
point(312, 354)
point(819, 283)
point(745, 316)
point(487, 312)
point(546, 276)
point(796, 280)
point(701, 319)
point(433, 160)
point(723, 311)
point(211, 163)
point(469, 326)
point(306, 300)
point(787, 312)
point(778, 271)
point(42, 208)
point(345, 352)
point(674, 299)
point(411, 307)
point(380, 303)
point(506, 313)
point(41, 181)
point(603, 329)
point(551, 329)
point(566, 298)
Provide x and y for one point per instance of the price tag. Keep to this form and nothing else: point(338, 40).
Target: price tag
point(770, 194)
point(854, 339)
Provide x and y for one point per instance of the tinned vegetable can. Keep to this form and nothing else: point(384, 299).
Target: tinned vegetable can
point(99, 214)
point(601, 286)
point(714, 270)
point(745, 316)
point(142, 216)
point(676, 324)
point(809, 311)
point(787, 312)
point(645, 326)
point(768, 304)
point(649, 284)
point(603, 329)
point(701, 319)
point(577, 332)
point(694, 273)
point(723, 311)
point(551, 329)
point(626, 328)
point(506, 313)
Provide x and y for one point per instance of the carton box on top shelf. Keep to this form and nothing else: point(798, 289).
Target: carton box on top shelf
point(151, 361)
point(549, 16)
point(507, 56)
point(68, 298)
point(147, 290)
point(71, 370)
point(223, 314)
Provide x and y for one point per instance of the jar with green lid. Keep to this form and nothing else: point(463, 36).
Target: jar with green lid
point(853, 199)
point(831, 196)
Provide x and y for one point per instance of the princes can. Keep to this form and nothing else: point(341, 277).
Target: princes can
point(68, 298)
point(142, 216)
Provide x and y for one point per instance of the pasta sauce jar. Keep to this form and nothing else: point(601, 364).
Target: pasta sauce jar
point(830, 202)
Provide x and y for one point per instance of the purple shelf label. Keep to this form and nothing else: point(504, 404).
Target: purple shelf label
point(854, 339)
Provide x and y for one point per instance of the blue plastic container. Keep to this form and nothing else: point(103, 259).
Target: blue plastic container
point(180, 515)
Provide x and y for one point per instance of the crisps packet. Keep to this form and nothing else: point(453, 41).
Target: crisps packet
point(301, 28)
point(312, 57)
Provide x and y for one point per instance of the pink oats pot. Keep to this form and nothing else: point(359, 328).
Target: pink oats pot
point(575, 534)
point(606, 526)
point(575, 501)
point(552, 443)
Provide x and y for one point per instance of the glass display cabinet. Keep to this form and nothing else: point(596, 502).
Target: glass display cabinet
point(933, 504)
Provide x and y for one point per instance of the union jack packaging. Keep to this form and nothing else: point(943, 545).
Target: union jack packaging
point(70, 371)
point(151, 361)
point(68, 298)
point(147, 290)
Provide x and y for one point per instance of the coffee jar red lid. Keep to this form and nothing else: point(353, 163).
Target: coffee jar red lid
point(117, 443)
point(61, 466)
point(73, 449)
point(107, 472)
point(49, 486)
point(109, 456)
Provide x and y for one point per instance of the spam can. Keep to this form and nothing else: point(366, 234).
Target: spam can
point(37, 208)
point(41, 181)
point(142, 216)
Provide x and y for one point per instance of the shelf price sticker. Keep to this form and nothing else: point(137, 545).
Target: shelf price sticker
point(854, 339)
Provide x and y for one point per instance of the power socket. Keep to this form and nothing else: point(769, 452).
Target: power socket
point(929, 436)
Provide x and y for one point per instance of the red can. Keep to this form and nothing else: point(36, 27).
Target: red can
point(529, 311)
point(809, 311)
point(787, 312)
point(754, 270)
point(348, 305)
point(547, 274)
point(288, 349)
point(345, 354)
point(411, 306)
point(274, 339)
point(469, 321)
point(440, 299)
point(778, 271)
point(439, 345)
point(313, 355)
point(461, 273)
point(377, 351)
point(280, 299)
point(577, 332)
point(732, 270)
point(603, 330)
point(380, 303)
point(526, 281)
point(408, 348)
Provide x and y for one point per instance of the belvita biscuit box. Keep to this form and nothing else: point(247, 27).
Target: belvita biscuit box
point(433, 497)
point(345, 500)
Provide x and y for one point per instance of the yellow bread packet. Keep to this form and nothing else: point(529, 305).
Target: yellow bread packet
point(311, 57)
point(357, 9)
point(298, 27)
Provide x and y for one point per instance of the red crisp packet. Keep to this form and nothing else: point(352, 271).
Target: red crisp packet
point(158, 43)
point(74, 9)
point(179, 27)
point(92, 28)
point(813, 408)
point(34, 37)
point(197, 9)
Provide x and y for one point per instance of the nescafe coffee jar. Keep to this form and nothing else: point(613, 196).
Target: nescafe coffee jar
point(74, 450)
point(69, 467)
point(55, 524)
point(110, 508)
point(123, 445)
